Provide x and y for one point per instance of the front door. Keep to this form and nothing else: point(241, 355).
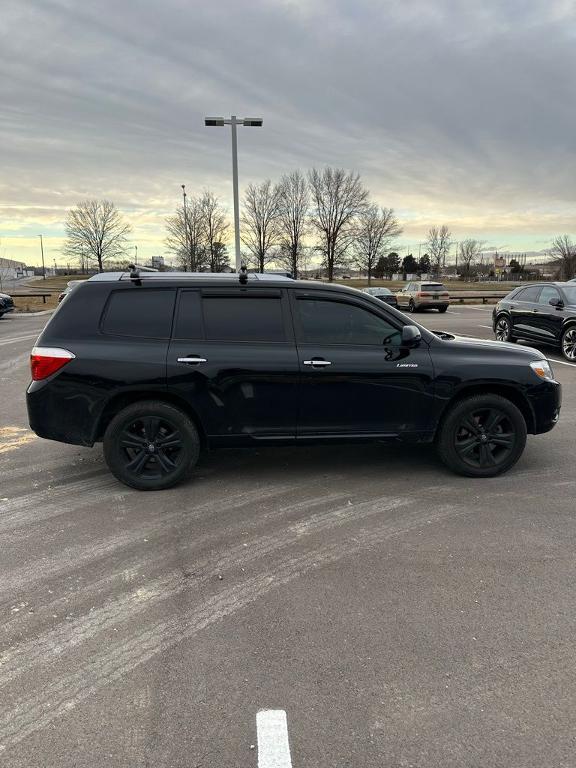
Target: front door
point(523, 308)
point(548, 320)
point(232, 357)
point(357, 378)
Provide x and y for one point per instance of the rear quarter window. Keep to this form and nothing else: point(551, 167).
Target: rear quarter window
point(139, 312)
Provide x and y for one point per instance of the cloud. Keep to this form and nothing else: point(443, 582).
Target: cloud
point(451, 111)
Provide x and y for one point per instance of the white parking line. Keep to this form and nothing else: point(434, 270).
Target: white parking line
point(485, 326)
point(19, 338)
point(451, 312)
point(273, 747)
point(481, 309)
point(562, 362)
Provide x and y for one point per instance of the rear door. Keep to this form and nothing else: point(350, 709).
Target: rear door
point(233, 358)
point(357, 378)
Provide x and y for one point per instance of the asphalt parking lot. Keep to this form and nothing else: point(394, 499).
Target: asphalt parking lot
point(399, 615)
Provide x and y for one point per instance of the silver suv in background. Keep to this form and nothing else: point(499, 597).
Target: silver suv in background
point(423, 295)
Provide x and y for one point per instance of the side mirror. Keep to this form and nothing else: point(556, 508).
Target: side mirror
point(556, 302)
point(411, 336)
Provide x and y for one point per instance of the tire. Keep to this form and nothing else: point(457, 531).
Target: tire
point(151, 445)
point(443, 309)
point(411, 306)
point(464, 439)
point(503, 329)
point(568, 344)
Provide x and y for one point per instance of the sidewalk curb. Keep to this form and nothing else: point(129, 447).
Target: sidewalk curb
point(32, 314)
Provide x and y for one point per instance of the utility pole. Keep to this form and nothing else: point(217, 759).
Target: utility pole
point(42, 250)
point(135, 254)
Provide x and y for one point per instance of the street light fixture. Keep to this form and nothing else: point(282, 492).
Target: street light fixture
point(250, 122)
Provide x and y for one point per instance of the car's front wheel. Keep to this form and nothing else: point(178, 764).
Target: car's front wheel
point(503, 329)
point(151, 445)
point(568, 344)
point(482, 436)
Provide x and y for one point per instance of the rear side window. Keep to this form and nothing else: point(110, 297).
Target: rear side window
point(141, 312)
point(243, 318)
point(528, 294)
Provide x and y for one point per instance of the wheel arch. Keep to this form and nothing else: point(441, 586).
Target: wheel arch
point(122, 400)
point(509, 392)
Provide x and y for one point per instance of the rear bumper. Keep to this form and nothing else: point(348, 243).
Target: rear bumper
point(431, 303)
point(55, 416)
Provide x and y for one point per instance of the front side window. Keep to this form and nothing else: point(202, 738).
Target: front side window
point(335, 322)
point(243, 318)
point(548, 292)
point(140, 312)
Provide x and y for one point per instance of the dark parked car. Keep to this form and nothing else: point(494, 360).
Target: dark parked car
point(6, 304)
point(384, 294)
point(158, 366)
point(544, 313)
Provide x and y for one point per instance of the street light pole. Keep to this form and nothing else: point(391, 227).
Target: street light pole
point(42, 250)
point(185, 226)
point(233, 122)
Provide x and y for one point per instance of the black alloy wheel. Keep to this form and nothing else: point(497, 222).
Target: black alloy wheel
point(411, 306)
point(568, 344)
point(482, 436)
point(151, 445)
point(503, 329)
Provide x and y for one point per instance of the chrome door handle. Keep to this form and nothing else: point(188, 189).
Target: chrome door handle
point(317, 363)
point(192, 360)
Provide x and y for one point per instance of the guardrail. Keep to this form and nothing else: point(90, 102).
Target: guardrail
point(461, 296)
point(30, 295)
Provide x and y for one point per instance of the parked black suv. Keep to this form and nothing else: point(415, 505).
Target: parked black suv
point(543, 312)
point(160, 365)
point(6, 304)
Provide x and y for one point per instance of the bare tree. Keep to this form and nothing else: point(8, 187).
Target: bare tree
point(376, 229)
point(96, 229)
point(338, 198)
point(293, 203)
point(186, 236)
point(438, 246)
point(260, 224)
point(468, 254)
point(215, 228)
point(564, 254)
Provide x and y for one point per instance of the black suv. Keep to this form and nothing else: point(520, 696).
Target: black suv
point(159, 366)
point(544, 313)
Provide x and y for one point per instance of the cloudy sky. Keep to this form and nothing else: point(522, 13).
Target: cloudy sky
point(453, 111)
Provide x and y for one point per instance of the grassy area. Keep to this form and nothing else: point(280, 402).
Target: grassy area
point(52, 285)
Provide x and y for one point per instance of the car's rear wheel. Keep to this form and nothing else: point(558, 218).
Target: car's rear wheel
point(151, 445)
point(411, 306)
point(503, 329)
point(443, 308)
point(568, 344)
point(482, 436)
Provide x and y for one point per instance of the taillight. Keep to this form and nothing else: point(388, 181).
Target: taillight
point(423, 295)
point(44, 361)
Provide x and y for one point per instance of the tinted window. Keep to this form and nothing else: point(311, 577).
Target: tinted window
point(547, 293)
point(434, 287)
point(570, 292)
point(243, 318)
point(528, 294)
point(139, 311)
point(334, 322)
point(189, 316)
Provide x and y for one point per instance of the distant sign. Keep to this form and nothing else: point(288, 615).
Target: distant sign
point(499, 261)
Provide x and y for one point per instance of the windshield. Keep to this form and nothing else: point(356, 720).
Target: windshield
point(436, 287)
point(570, 293)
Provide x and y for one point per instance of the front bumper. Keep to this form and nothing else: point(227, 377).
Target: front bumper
point(546, 402)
